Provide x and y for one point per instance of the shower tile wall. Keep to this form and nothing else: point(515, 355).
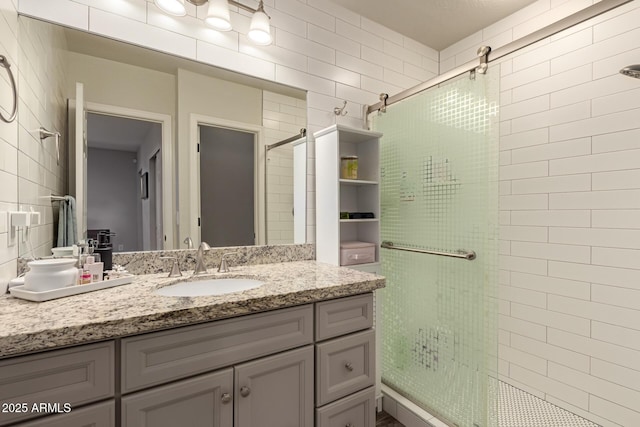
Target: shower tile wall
point(282, 118)
point(570, 210)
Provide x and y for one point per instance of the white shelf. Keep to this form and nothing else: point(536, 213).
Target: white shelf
point(349, 134)
point(372, 267)
point(357, 182)
point(335, 195)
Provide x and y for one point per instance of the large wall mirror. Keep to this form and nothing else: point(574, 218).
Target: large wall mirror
point(163, 150)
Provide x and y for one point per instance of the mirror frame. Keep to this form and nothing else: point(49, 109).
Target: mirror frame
point(168, 167)
point(260, 212)
point(170, 142)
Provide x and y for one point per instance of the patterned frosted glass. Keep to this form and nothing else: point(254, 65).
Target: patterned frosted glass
point(439, 191)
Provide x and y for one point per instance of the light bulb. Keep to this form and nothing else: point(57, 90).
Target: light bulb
point(218, 15)
point(259, 31)
point(172, 7)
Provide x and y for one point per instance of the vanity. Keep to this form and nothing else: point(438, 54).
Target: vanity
point(297, 351)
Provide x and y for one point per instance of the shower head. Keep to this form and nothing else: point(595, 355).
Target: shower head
point(631, 71)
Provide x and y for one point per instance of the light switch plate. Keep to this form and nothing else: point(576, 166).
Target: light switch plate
point(11, 231)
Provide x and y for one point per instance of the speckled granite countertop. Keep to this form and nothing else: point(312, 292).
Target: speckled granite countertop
point(27, 326)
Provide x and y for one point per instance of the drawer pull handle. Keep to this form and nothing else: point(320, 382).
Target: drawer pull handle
point(226, 398)
point(245, 391)
point(349, 366)
point(349, 425)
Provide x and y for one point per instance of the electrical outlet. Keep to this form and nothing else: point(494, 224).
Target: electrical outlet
point(120, 247)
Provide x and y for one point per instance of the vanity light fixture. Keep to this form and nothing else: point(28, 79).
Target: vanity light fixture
point(172, 7)
point(218, 16)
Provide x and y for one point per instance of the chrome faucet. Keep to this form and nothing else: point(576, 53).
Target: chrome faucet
point(200, 267)
point(224, 266)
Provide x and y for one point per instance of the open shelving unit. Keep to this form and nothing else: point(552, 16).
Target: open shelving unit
point(335, 194)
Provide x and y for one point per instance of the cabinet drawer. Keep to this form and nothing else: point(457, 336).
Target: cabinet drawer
point(206, 400)
point(75, 375)
point(98, 415)
point(169, 355)
point(344, 365)
point(343, 316)
point(357, 410)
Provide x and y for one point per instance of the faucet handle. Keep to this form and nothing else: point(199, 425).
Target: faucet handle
point(187, 241)
point(224, 266)
point(175, 268)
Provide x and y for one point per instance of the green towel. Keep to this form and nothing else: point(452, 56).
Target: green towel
point(67, 227)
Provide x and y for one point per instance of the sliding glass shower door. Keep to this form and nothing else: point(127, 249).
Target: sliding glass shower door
point(440, 193)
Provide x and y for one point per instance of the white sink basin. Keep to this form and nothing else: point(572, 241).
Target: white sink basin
point(206, 287)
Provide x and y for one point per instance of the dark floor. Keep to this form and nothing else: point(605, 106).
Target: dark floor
point(385, 420)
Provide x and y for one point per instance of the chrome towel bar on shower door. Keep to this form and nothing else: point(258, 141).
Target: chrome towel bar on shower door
point(468, 255)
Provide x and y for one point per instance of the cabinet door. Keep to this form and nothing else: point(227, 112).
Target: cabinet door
point(276, 391)
point(203, 401)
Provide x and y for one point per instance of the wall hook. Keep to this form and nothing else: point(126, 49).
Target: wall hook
point(339, 111)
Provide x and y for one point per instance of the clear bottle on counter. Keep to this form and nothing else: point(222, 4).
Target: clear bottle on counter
point(85, 277)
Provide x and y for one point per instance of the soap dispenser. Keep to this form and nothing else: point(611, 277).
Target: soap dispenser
point(104, 248)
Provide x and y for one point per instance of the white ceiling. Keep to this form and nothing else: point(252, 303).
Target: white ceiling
point(116, 133)
point(435, 23)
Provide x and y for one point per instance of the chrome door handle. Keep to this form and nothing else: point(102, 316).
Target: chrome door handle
point(245, 391)
point(226, 398)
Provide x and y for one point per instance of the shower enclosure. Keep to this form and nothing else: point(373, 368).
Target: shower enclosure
point(439, 208)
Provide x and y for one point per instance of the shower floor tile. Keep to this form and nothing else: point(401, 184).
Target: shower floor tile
point(517, 408)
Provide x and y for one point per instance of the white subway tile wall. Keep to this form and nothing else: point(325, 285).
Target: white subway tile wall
point(42, 104)
point(28, 167)
point(570, 210)
point(283, 117)
point(569, 140)
point(8, 140)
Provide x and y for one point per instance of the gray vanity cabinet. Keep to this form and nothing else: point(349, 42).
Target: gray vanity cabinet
point(203, 401)
point(276, 391)
point(345, 362)
point(272, 391)
point(304, 366)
